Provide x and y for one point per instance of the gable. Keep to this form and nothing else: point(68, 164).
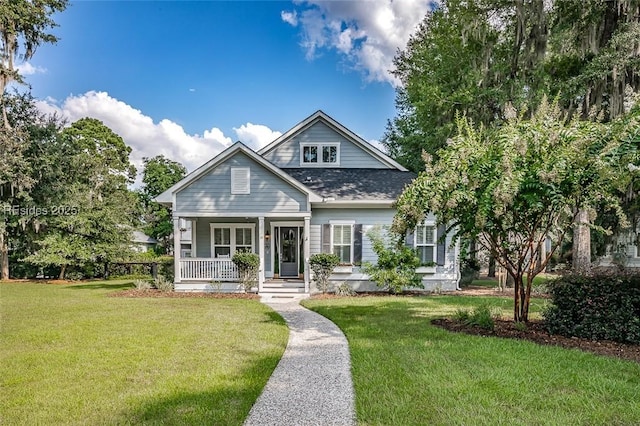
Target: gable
point(239, 184)
point(330, 144)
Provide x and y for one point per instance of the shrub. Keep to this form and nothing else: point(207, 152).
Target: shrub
point(602, 306)
point(248, 266)
point(396, 266)
point(480, 316)
point(345, 289)
point(142, 284)
point(322, 265)
point(469, 271)
point(163, 284)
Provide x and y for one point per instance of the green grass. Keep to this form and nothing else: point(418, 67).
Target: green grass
point(72, 355)
point(407, 372)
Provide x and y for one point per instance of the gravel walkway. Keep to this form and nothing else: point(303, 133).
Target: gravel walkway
point(312, 383)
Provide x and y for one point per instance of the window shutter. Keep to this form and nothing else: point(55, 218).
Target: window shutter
point(326, 238)
point(441, 248)
point(408, 239)
point(357, 244)
point(240, 179)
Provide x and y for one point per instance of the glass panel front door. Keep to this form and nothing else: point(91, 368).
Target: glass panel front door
point(288, 251)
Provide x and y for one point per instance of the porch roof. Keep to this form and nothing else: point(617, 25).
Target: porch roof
point(353, 184)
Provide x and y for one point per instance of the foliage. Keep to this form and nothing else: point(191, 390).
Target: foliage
point(345, 289)
point(395, 269)
point(163, 284)
point(322, 266)
point(158, 175)
point(602, 306)
point(481, 58)
point(509, 188)
point(479, 316)
point(248, 266)
point(166, 267)
point(141, 284)
point(90, 218)
point(469, 271)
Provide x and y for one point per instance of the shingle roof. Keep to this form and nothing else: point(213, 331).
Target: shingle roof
point(353, 184)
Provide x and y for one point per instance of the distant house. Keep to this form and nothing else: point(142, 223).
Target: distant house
point(317, 188)
point(142, 242)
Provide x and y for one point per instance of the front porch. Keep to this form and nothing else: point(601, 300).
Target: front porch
point(281, 243)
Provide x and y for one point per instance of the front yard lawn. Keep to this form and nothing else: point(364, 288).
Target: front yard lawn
point(408, 372)
point(71, 355)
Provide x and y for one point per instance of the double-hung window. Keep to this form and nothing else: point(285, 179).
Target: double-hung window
point(319, 154)
point(227, 239)
point(425, 243)
point(342, 242)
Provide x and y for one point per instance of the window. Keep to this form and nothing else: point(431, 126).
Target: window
point(240, 180)
point(343, 242)
point(228, 239)
point(425, 243)
point(320, 154)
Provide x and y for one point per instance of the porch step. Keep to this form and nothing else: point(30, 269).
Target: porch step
point(281, 289)
point(269, 297)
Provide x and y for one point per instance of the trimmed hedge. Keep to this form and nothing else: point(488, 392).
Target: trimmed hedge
point(602, 306)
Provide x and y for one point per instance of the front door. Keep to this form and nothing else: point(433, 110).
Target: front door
point(288, 251)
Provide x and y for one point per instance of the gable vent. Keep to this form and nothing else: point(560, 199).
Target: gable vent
point(240, 180)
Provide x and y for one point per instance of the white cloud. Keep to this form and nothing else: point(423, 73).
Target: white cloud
point(367, 33)
point(290, 17)
point(26, 68)
point(256, 136)
point(140, 132)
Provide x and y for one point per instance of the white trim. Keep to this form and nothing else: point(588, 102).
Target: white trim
point(213, 214)
point(193, 237)
point(348, 134)
point(434, 244)
point(320, 155)
point(289, 224)
point(341, 204)
point(350, 223)
point(232, 236)
point(261, 253)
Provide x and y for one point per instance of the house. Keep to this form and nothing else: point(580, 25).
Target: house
point(141, 242)
point(317, 188)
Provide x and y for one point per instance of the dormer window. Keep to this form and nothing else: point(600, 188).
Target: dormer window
point(319, 154)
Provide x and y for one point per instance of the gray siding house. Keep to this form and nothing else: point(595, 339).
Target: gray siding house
point(317, 188)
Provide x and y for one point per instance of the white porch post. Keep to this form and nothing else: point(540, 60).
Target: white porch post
point(261, 253)
point(176, 249)
point(307, 251)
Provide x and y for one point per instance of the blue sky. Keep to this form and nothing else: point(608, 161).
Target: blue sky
point(186, 79)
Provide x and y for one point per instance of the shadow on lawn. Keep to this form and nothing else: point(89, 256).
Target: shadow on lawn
point(221, 405)
point(101, 285)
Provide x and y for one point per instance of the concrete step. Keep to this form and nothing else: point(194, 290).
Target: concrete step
point(293, 290)
point(282, 297)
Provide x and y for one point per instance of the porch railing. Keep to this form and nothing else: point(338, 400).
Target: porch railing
point(204, 269)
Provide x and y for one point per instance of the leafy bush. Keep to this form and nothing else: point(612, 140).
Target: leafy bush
point(142, 284)
point(322, 265)
point(605, 305)
point(396, 266)
point(345, 289)
point(163, 284)
point(248, 266)
point(469, 271)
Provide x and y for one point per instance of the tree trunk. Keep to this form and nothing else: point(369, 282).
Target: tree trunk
point(63, 268)
point(4, 257)
point(581, 243)
point(521, 298)
point(491, 273)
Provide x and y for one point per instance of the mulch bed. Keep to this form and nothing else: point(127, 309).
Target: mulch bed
point(181, 295)
point(535, 332)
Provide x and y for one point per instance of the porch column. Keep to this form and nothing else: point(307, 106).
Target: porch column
point(307, 251)
point(176, 249)
point(261, 252)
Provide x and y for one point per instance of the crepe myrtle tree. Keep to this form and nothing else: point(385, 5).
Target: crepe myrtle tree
point(510, 188)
